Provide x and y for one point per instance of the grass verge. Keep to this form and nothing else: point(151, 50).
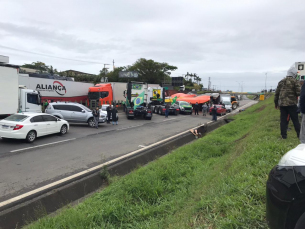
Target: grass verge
point(217, 181)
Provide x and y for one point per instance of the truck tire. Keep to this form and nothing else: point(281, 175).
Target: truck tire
point(91, 122)
point(155, 109)
point(159, 111)
point(234, 106)
point(31, 136)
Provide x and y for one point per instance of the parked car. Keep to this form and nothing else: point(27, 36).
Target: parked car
point(221, 110)
point(29, 126)
point(184, 107)
point(104, 111)
point(285, 191)
point(73, 112)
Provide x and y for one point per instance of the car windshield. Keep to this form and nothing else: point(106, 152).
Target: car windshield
point(184, 104)
point(226, 103)
point(104, 108)
point(16, 118)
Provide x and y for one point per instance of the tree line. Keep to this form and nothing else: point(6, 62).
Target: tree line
point(148, 71)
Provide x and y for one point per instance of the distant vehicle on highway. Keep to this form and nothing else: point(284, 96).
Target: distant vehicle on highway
point(285, 191)
point(29, 126)
point(104, 111)
point(221, 110)
point(184, 107)
point(73, 112)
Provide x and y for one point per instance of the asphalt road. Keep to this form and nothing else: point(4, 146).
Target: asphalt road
point(24, 167)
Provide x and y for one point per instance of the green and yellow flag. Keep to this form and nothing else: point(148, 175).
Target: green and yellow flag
point(138, 100)
point(174, 100)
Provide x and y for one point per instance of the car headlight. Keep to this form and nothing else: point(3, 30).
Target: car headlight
point(294, 157)
point(182, 108)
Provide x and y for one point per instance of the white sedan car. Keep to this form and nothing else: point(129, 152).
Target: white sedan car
point(29, 126)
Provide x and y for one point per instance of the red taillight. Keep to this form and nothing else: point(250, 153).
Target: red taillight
point(131, 111)
point(18, 127)
point(177, 109)
point(163, 109)
point(148, 111)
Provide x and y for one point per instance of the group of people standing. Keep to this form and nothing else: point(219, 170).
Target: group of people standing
point(111, 114)
point(205, 110)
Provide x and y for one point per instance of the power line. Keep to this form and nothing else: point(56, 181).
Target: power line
point(40, 54)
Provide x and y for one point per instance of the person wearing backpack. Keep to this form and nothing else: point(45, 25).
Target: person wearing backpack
point(286, 99)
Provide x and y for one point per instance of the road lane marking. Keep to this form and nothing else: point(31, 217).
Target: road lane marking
point(141, 146)
point(33, 147)
point(168, 119)
point(49, 186)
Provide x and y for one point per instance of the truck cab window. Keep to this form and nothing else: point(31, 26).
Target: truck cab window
point(32, 98)
point(94, 95)
point(104, 94)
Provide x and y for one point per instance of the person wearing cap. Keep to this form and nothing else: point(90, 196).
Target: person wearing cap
point(286, 99)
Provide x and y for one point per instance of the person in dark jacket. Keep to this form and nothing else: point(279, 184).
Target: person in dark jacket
point(114, 112)
point(109, 110)
point(302, 109)
point(167, 106)
point(196, 108)
point(286, 98)
point(96, 116)
point(214, 113)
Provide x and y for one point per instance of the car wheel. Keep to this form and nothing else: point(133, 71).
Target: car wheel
point(31, 136)
point(148, 118)
point(63, 130)
point(91, 122)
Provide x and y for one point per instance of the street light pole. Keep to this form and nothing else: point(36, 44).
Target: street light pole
point(266, 82)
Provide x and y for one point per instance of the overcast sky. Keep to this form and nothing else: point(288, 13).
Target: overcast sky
point(234, 42)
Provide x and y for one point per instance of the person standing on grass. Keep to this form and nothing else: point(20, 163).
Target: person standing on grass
point(204, 109)
point(302, 109)
point(96, 116)
point(286, 98)
point(114, 112)
point(214, 113)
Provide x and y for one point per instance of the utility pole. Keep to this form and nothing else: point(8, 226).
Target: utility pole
point(105, 71)
point(113, 64)
point(209, 85)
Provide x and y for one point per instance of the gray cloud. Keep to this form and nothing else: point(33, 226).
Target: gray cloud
point(227, 40)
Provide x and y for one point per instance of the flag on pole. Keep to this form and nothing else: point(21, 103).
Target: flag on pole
point(174, 100)
point(138, 100)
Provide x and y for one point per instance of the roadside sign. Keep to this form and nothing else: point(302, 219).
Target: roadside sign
point(128, 74)
point(262, 97)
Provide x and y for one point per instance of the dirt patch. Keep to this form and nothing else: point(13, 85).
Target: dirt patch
point(260, 109)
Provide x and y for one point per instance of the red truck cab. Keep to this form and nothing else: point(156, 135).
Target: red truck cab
point(101, 94)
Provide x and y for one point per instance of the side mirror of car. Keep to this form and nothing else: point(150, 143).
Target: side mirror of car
point(58, 119)
point(83, 111)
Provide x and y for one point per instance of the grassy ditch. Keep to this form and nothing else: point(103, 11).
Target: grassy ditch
point(216, 182)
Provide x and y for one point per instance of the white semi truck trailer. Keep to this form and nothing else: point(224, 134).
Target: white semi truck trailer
point(15, 97)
